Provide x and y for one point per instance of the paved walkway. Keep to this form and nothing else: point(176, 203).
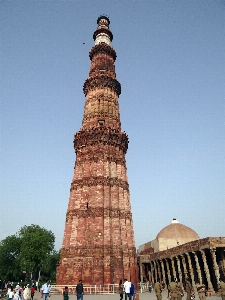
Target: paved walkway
point(143, 296)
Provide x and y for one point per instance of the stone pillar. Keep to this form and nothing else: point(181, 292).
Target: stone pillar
point(173, 268)
point(156, 273)
point(215, 265)
point(158, 270)
point(198, 267)
point(141, 272)
point(206, 269)
point(184, 266)
point(168, 270)
point(163, 271)
point(152, 271)
point(179, 270)
point(191, 272)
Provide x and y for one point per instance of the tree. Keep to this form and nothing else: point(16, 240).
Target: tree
point(49, 268)
point(37, 244)
point(9, 252)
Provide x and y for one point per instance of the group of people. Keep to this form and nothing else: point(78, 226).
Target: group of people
point(176, 292)
point(27, 293)
point(79, 291)
point(126, 288)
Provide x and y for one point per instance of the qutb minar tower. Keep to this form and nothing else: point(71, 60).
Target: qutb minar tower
point(98, 245)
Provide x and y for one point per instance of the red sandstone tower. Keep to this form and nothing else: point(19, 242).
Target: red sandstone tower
point(98, 245)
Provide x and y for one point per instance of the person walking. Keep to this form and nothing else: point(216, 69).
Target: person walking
point(66, 293)
point(32, 292)
point(172, 290)
point(10, 293)
point(188, 288)
point(180, 292)
point(132, 293)
point(26, 293)
point(126, 287)
point(45, 290)
point(201, 289)
point(80, 290)
point(158, 290)
point(121, 289)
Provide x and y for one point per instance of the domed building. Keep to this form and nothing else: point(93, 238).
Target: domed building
point(172, 235)
point(178, 252)
point(175, 234)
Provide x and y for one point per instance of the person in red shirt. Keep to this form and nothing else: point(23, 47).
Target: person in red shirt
point(32, 292)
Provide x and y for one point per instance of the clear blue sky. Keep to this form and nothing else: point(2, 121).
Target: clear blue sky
point(171, 65)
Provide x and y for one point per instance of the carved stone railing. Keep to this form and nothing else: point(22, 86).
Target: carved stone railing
point(102, 48)
point(102, 82)
point(101, 135)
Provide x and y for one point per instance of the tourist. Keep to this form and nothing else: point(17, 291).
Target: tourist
point(10, 293)
point(201, 289)
point(121, 289)
point(180, 292)
point(21, 292)
point(80, 290)
point(150, 287)
point(39, 286)
point(172, 290)
point(32, 292)
point(45, 290)
point(221, 288)
point(126, 288)
point(66, 293)
point(132, 293)
point(158, 290)
point(26, 293)
point(188, 288)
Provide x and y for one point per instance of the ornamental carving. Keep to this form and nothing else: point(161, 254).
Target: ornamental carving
point(97, 251)
point(101, 135)
point(102, 97)
point(100, 156)
point(101, 114)
point(96, 212)
point(99, 180)
point(102, 48)
point(102, 82)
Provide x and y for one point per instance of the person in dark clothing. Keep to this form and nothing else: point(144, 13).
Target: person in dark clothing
point(132, 294)
point(66, 293)
point(121, 289)
point(80, 290)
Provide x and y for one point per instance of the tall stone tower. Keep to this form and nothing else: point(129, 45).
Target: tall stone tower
point(98, 245)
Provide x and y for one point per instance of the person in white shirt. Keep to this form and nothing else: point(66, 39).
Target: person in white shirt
point(10, 293)
point(45, 290)
point(26, 293)
point(127, 286)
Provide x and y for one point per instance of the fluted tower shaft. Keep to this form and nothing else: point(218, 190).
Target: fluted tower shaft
point(98, 245)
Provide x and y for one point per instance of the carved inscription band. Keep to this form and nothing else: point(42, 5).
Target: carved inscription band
point(98, 212)
point(101, 114)
point(99, 180)
point(99, 156)
point(92, 250)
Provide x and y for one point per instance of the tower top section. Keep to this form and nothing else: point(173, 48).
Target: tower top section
point(103, 34)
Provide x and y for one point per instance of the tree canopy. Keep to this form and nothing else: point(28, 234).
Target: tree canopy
point(28, 253)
